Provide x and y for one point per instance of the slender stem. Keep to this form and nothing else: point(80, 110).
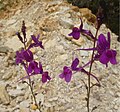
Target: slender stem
point(31, 86)
point(90, 69)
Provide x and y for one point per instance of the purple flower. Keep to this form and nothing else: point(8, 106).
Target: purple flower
point(23, 55)
point(105, 54)
point(36, 42)
point(108, 56)
point(45, 77)
point(33, 68)
point(67, 74)
point(76, 32)
point(67, 71)
point(75, 64)
point(103, 43)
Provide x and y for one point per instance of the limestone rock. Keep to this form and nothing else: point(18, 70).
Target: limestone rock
point(16, 92)
point(4, 96)
point(65, 33)
point(4, 49)
point(24, 104)
point(78, 42)
point(49, 24)
point(14, 43)
point(66, 22)
point(88, 14)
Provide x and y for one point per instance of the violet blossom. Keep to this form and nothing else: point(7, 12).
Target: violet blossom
point(34, 68)
point(36, 42)
point(45, 77)
point(76, 32)
point(67, 71)
point(23, 55)
point(105, 54)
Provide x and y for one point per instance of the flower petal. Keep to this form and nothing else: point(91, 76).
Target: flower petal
point(102, 44)
point(28, 56)
point(103, 58)
point(40, 44)
point(113, 58)
point(62, 75)
point(75, 33)
point(88, 33)
point(40, 67)
point(45, 77)
point(38, 36)
point(68, 76)
point(34, 38)
point(75, 64)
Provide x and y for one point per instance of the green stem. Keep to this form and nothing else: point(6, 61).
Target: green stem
point(90, 69)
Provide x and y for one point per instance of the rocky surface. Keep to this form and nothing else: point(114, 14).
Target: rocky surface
point(53, 20)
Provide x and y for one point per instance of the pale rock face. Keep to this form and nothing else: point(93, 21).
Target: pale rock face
point(14, 43)
point(66, 22)
point(4, 96)
point(55, 19)
point(88, 14)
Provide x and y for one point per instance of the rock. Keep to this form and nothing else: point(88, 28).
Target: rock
point(11, 55)
point(40, 98)
point(112, 79)
point(9, 73)
point(66, 22)
point(24, 110)
point(65, 33)
point(33, 107)
point(88, 14)
point(4, 96)
point(24, 104)
point(47, 104)
point(7, 76)
point(4, 49)
point(61, 58)
point(84, 53)
point(53, 99)
point(49, 24)
point(78, 42)
point(60, 48)
point(50, 43)
point(75, 8)
point(19, 99)
point(16, 92)
point(14, 43)
point(11, 21)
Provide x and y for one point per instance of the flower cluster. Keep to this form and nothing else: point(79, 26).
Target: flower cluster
point(26, 58)
point(103, 52)
point(69, 71)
